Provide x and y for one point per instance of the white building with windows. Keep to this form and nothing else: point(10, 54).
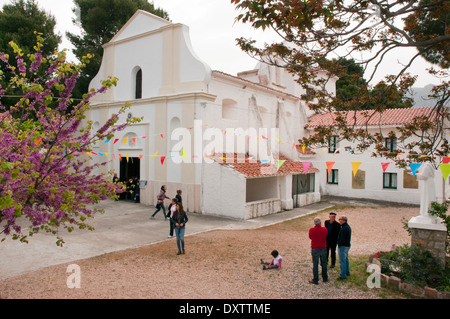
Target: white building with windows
point(348, 173)
point(194, 117)
point(230, 143)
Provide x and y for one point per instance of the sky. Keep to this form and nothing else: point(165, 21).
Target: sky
point(213, 31)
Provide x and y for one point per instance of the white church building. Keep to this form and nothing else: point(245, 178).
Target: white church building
point(230, 143)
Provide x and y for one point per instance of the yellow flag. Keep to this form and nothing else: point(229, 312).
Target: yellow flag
point(154, 155)
point(125, 140)
point(183, 154)
point(127, 157)
point(355, 167)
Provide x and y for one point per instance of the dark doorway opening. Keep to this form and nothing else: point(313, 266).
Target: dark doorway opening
point(130, 172)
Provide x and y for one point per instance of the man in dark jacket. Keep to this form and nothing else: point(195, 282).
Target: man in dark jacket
point(333, 228)
point(343, 242)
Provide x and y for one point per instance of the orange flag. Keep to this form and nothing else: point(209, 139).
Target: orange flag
point(329, 166)
point(141, 156)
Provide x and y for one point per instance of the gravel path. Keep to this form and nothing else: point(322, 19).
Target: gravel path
point(220, 264)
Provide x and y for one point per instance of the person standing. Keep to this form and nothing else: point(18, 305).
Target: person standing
point(179, 220)
point(171, 210)
point(178, 196)
point(161, 196)
point(318, 236)
point(333, 228)
point(343, 242)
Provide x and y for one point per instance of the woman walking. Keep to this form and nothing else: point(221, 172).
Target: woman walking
point(161, 196)
point(179, 220)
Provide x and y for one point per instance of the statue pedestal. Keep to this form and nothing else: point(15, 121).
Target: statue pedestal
point(431, 234)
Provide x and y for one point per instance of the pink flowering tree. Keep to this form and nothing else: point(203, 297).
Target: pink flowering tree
point(47, 182)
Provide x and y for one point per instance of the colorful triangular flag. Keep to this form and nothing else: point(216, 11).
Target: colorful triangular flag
point(280, 163)
point(445, 160)
point(414, 167)
point(162, 159)
point(329, 166)
point(355, 167)
point(306, 166)
point(183, 154)
point(445, 169)
point(385, 166)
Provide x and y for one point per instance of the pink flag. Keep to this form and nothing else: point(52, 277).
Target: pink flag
point(384, 166)
point(306, 166)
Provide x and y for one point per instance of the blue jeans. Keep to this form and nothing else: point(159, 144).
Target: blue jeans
point(343, 261)
point(163, 208)
point(319, 253)
point(179, 232)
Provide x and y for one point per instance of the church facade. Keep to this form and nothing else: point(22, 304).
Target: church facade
point(230, 143)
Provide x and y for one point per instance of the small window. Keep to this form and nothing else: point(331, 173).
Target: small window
point(138, 92)
point(390, 180)
point(391, 144)
point(333, 177)
point(332, 144)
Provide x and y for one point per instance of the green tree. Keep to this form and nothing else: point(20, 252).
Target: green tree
point(313, 31)
point(18, 23)
point(100, 20)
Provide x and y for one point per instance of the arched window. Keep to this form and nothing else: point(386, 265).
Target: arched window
point(138, 91)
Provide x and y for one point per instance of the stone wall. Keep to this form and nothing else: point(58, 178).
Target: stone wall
point(431, 240)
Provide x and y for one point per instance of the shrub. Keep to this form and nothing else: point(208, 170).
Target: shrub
point(414, 265)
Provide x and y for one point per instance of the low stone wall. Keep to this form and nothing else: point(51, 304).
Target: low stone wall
point(395, 283)
point(262, 208)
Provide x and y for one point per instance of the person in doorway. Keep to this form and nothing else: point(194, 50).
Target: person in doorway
point(333, 228)
point(275, 263)
point(179, 220)
point(170, 211)
point(318, 236)
point(160, 205)
point(343, 242)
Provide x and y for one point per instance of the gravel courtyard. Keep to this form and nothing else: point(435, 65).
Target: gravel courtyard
point(221, 264)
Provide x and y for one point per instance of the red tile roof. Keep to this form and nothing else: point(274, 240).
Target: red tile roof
point(251, 168)
point(307, 151)
point(372, 118)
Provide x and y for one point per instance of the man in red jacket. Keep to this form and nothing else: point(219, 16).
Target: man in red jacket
point(318, 236)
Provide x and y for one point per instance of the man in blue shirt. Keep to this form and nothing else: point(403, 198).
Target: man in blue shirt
point(343, 242)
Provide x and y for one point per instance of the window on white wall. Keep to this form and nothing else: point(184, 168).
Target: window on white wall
point(333, 177)
point(390, 180)
point(138, 85)
point(391, 144)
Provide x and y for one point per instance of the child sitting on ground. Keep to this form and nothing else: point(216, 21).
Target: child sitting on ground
point(275, 263)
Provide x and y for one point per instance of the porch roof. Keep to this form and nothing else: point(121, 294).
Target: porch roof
point(250, 167)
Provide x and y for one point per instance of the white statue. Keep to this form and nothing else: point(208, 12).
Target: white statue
point(427, 191)
point(426, 188)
